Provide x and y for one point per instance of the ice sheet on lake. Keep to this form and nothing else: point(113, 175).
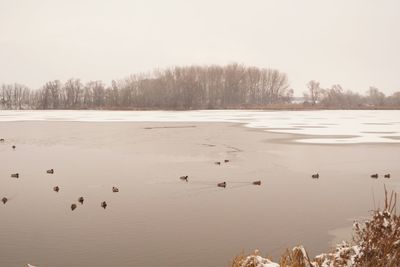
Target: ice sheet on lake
point(321, 127)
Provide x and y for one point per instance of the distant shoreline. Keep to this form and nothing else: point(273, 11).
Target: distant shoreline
point(294, 107)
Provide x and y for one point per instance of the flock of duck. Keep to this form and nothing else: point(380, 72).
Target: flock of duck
point(375, 176)
point(114, 189)
point(221, 184)
point(103, 204)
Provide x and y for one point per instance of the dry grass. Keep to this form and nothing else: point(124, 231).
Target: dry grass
point(376, 243)
point(237, 261)
point(379, 238)
point(297, 257)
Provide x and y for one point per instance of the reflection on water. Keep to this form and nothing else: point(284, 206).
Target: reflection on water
point(364, 126)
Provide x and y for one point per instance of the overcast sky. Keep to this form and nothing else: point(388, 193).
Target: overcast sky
point(352, 43)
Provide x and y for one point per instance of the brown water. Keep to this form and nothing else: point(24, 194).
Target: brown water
point(158, 220)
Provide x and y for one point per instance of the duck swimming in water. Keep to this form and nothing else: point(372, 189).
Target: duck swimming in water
point(51, 171)
point(15, 175)
point(81, 200)
point(185, 178)
point(56, 188)
point(217, 163)
point(73, 206)
point(374, 176)
point(4, 200)
point(223, 184)
point(387, 175)
point(315, 176)
point(104, 205)
point(13, 147)
point(115, 189)
point(257, 182)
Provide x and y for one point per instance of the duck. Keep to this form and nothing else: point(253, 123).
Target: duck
point(387, 175)
point(15, 175)
point(73, 206)
point(226, 161)
point(51, 171)
point(257, 182)
point(185, 178)
point(223, 184)
point(81, 199)
point(115, 189)
point(315, 176)
point(56, 188)
point(4, 200)
point(1, 139)
point(104, 205)
point(13, 147)
point(217, 163)
point(374, 176)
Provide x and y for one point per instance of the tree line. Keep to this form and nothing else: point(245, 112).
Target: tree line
point(192, 87)
point(337, 97)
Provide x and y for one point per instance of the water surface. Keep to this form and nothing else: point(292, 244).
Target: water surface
point(157, 219)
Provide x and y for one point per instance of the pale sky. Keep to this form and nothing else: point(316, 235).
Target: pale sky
point(355, 43)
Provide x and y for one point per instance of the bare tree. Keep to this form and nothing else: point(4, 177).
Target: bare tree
point(191, 87)
point(314, 91)
point(375, 97)
point(394, 100)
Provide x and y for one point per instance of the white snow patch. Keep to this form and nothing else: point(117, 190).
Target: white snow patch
point(326, 126)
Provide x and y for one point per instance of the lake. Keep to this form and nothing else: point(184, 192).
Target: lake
point(158, 219)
